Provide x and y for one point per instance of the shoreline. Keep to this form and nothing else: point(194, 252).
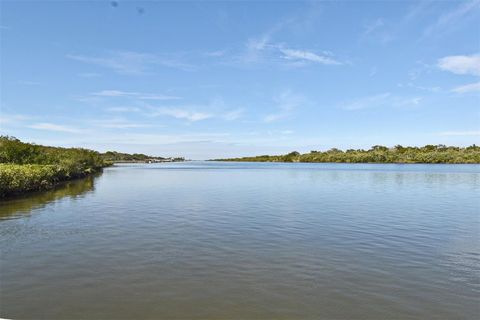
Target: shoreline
point(20, 181)
point(343, 162)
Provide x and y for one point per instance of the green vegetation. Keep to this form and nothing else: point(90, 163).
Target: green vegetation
point(28, 167)
point(379, 154)
point(114, 156)
point(125, 157)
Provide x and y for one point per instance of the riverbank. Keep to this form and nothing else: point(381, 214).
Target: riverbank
point(19, 179)
point(27, 167)
point(378, 154)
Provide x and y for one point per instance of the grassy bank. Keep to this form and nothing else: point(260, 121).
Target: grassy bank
point(28, 167)
point(378, 154)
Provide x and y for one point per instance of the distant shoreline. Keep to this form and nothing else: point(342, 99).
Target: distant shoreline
point(147, 162)
point(429, 154)
point(331, 162)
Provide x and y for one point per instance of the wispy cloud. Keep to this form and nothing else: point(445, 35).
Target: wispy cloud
point(306, 56)
point(461, 12)
point(233, 115)
point(179, 113)
point(302, 57)
point(462, 64)
point(471, 87)
point(216, 109)
point(54, 127)
point(131, 63)
point(381, 100)
point(149, 96)
point(120, 62)
point(89, 75)
point(262, 49)
point(29, 83)
point(114, 93)
point(460, 133)
point(376, 29)
point(422, 88)
point(137, 95)
point(12, 118)
point(255, 48)
point(373, 26)
point(286, 103)
point(119, 123)
point(217, 53)
point(124, 109)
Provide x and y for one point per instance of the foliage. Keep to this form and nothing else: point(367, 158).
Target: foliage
point(379, 154)
point(119, 157)
point(26, 167)
point(73, 160)
point(16, 178)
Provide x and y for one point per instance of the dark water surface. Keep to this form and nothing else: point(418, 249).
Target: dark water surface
point(247, 241)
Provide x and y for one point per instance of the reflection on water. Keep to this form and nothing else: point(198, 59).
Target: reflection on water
point(22, 205)
point(247, 241)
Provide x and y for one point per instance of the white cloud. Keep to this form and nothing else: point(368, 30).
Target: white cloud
point(54, 127)
point(89, 75)
point(275, 116)
point(463, 64)
point(471, 87)
point(448, 19)
point(422, 88)
point(121, 62)
point(118, 123)
point(29, 83)
point(303, 55)
point(123, 109)
point(460, 133)
point(376, 30)
point(381, 100)
point(131, 63)
point(367, 102)
point(137, 95)
point(148, 96)
point(217, 53)
point(233, 115)
point(372, 26)
point(179, 113)
point(286, 102)
point(255, 48)
point(12, 118)
point(113, 93)
point(261, 49)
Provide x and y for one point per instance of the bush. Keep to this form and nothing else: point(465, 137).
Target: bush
point(27, 167)
point(15, 178)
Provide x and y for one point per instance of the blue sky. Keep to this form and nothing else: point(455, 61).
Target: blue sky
point(236, 78)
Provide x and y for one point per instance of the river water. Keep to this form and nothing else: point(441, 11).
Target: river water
point(209, 240)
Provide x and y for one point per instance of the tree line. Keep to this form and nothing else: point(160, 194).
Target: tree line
point(378, 154)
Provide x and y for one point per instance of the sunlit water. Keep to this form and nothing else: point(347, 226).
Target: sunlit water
point(247, 241)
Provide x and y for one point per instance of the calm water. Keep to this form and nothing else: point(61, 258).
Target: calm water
point(247, 241)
